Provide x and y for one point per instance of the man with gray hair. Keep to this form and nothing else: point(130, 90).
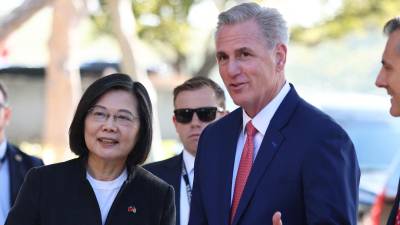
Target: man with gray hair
point(276, 156)
point(389, 78)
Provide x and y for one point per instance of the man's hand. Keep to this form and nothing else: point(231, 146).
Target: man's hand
point(276, 218)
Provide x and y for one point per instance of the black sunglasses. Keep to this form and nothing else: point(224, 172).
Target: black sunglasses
point(205, 114)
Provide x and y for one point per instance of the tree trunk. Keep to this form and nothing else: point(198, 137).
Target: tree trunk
point(124, 29)
point(19, 15)
point(208, 63)
point(209, 56)
point(63, 85)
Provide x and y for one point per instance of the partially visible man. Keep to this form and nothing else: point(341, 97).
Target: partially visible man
point(276, 152)
point(198, 102)
point(13, 162)
point(389, 78)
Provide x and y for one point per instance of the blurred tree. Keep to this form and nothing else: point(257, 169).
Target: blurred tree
point(123, 26)
point(19, 15)
point(63, 85)
point(165, 24)
point(354, 15)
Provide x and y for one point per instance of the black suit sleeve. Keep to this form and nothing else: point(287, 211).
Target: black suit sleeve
point(26, 208)
point(168, 217)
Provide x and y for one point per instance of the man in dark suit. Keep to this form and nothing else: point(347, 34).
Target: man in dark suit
point(207, 99)
point(276, 156)
point(389, 78)
point(14, 164)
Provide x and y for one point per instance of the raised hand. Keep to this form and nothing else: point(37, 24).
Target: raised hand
point(276, 218)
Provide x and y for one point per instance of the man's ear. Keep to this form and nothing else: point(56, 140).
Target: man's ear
point(174, 120)
point(222, 114)
point(7, 114)
point(280, 56)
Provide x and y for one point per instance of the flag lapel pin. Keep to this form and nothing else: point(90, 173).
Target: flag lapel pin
point(132, 209)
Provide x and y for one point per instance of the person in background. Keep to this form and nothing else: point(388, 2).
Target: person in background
point(111, 133)
point(14, 163)
point(276, 158)
point(389, 78)
point(198, 102)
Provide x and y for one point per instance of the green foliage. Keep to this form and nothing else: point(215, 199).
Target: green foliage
point(354, 16)
point(161, 23)
point(101, 21)
point(170, 16)
point(168, 23)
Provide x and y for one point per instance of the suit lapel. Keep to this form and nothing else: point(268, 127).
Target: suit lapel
point(84, 194)
point(227, 159)
point(176, 170)
point(270, 145)
point(15, 171)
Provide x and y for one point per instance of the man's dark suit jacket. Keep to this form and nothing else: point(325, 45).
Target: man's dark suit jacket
point(170, 170)
point(60, 194)
point(306, 168)
point(393, 213)
point(19, 164)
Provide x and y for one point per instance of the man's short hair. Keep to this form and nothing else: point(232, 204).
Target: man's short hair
point(272, 25)
point(392, 25)
point(3, 90)
point(196, 83)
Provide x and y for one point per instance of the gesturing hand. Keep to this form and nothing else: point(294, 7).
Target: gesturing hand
point(276, 218)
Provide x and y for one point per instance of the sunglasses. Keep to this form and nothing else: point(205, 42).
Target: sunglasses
point(205, 114)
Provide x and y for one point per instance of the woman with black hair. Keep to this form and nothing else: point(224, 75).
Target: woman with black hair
point(111, 133)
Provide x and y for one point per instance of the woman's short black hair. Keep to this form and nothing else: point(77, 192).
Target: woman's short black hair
point(92, 94)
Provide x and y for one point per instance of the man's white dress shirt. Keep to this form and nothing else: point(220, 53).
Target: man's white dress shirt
point(188, 160)
point(260, 122)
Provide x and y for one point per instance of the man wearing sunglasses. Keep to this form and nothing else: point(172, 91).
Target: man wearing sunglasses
point(276, 152)
point(198, 102)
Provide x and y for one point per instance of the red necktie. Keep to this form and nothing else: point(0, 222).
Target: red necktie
point(397, 217)
point(246, 161)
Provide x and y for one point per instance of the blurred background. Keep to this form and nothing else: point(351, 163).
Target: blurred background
point(51, 50)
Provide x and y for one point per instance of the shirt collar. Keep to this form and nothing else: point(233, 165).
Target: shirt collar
point(3, 148)
point(188, 159)
point(263, 118)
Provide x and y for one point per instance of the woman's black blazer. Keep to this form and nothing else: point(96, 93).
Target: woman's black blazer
point(60, 194)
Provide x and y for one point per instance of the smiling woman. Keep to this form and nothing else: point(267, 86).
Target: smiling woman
point(109, 141)
point(111, 133)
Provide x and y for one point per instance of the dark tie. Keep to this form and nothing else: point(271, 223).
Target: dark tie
point(397, 222)
point(246, 161)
